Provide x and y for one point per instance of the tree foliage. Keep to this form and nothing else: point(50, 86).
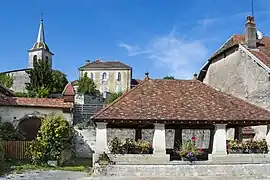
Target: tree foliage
point(44, 80)
point(55, 136)
point(87, 86)
point(9, 133)
point(6, 80)
point(113, 97)
point(168, 77)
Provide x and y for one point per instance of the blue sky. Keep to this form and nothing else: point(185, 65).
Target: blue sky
point(164, 37)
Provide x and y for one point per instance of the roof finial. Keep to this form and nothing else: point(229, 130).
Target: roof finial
point(147, 76)
point(41, 37)
point(195, 76)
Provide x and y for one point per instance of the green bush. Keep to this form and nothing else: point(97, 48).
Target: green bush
point(54, 138)
point(9, 133)
point(2, 157)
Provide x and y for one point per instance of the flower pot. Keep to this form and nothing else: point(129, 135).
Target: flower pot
point(52, 163)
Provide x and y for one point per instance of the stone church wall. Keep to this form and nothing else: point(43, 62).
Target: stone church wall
point(238, 74)
point(20, 77)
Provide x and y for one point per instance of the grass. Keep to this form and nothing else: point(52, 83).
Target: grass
point(20, 167)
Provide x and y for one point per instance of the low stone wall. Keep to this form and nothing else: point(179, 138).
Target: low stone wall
point(188, 170)
point(139, 159)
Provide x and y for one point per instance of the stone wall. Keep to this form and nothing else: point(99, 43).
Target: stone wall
point(240, 75)
point(20, 77)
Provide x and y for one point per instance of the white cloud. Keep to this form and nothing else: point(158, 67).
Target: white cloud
point(181, 57)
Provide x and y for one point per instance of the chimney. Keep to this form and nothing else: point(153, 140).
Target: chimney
point(87, 61)
point(146, 76)
point(195, 76)
point(251, 33)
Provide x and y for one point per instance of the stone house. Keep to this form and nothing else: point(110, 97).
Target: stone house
point(109, 76)
point(241, 67)
point(166, 112)
point(25, 113)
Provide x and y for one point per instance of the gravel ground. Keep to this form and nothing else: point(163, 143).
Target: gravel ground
point(67, 175)
point(47, 175)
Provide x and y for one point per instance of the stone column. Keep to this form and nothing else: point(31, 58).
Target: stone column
point(219, 144)
point(159, 143)
point(101, 138)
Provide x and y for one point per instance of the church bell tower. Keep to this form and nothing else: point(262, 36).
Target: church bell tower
point(40, 49)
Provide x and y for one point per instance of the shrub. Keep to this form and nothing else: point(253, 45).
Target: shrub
point(2, 157)
point(8, 132)
point(130, 146)
point(55, 137)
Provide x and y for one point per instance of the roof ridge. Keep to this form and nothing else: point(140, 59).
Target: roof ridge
point(118, 99)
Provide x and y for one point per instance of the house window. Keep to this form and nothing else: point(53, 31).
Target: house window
point(91, 75)
point(104, 76)
point(118, 76)
point(35, 58)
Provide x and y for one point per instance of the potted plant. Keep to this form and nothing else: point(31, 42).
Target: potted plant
point(262, 147)
point(189, 151)
point(145, 147)
point(234, 147)
point(115, 146)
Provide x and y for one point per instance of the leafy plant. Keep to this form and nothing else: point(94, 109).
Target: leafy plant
point(113, 97)
point(86, 85)
point(2, 157)
point(104, 159)
point(44, 80)
point(115, 146)
point(8, 132)
point(6, 80)
point(189, 150)
point(54, 137)
point(168, 77)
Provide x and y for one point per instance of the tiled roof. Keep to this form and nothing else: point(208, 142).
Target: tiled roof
point(98, 64)
point(5, 91)
point(34, 102)
point(185, 100)
point(262, 53)
point(68, 91)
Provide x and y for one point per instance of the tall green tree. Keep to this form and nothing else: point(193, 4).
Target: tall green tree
point(168, 77)
point(6, 80)
point(86, 85)
point(59, 81)
point(44, 80)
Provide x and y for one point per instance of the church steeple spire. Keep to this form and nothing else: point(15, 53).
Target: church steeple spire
point(40, 49)
point(41, 37)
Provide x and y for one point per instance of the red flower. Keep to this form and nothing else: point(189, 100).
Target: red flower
point(193, 138)
point(150, 145)
point(201, 150)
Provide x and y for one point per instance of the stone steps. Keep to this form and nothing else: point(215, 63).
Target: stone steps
point(260, 170)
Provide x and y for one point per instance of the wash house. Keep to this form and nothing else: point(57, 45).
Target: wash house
point(165, 112)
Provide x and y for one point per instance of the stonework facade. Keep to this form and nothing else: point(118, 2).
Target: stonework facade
point(20, 78)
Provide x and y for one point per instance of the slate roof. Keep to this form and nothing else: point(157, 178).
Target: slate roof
point(179, 100)
point(98, 64)
point(34, 102)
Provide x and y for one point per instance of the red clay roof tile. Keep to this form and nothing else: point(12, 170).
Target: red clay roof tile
point(179, 100)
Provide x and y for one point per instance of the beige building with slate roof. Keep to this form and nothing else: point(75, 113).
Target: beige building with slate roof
point(109, 76)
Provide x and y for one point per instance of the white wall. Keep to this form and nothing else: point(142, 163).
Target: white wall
point(9, 113)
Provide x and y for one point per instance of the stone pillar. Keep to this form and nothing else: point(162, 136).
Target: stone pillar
point(101, 138)
point(219, 144)
point(159, 143)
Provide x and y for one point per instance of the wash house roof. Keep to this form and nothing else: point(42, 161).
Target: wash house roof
point(180, 101)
